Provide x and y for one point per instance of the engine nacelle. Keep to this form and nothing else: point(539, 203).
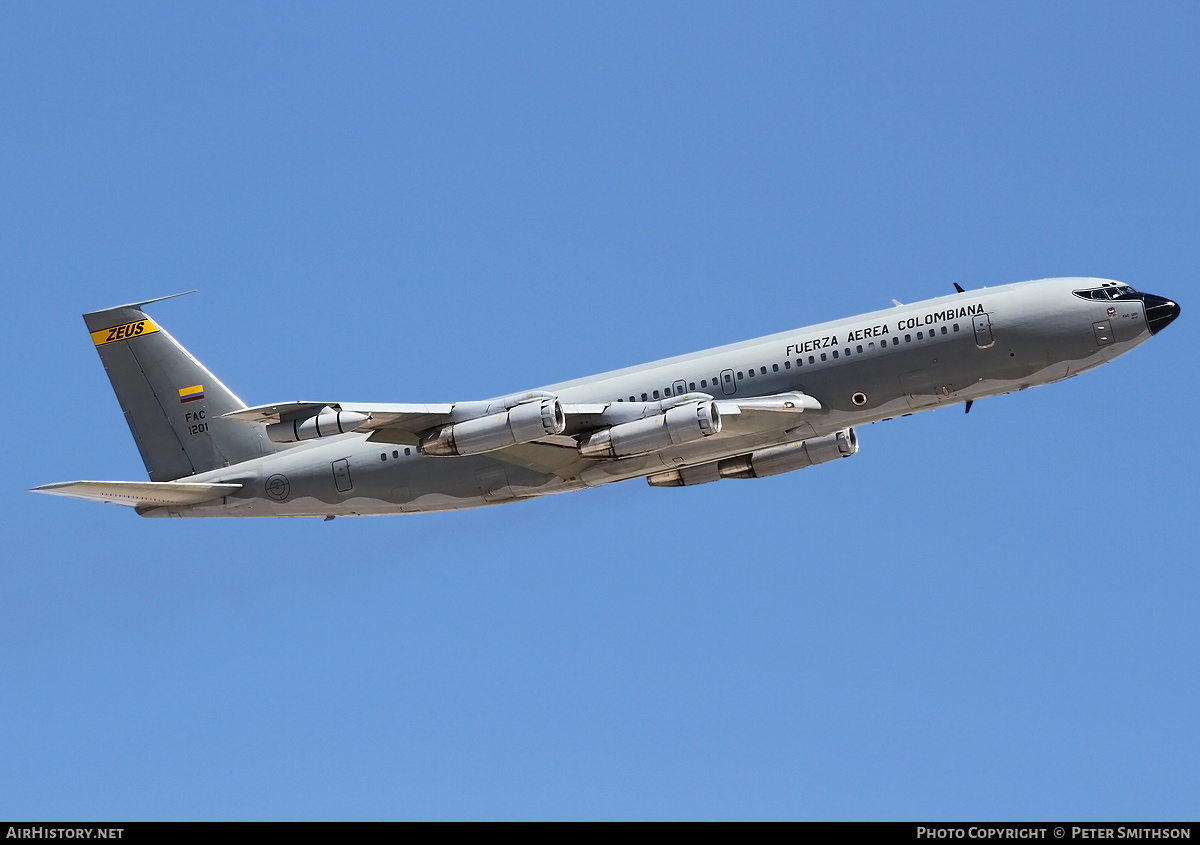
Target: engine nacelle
point(519, 424)
point(324, 424)
point(780, 459)
point(681, 424)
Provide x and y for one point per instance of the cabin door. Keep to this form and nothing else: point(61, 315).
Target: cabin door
point(983, 331)
point(341, 476)
point(728, 384)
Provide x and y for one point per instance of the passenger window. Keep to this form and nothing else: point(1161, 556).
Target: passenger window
point(762, 371)
point(644, 397)
point(383, 456)
point(407, 451)
point(704, 382)
point(920, 336)
point(632, 399)
point(908, 338)
point(858, 349)
point(871, 345)
point(656, 394)
point(395, 453)
point(750, 372)
point(847, 351)
point(956, 326)
point(835, 354)
point(813, 360)
point(728, 378)
point(787, 365)
point(774, 368)
point(740, 376)
point(691, 385)
point(943, 329)
point(824, 357)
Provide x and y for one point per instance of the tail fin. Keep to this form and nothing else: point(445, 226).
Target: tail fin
point(172, 403)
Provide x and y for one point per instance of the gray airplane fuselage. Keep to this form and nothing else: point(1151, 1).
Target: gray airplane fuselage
point(864, 369)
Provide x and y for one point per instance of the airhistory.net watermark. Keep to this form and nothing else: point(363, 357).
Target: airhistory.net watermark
point(41, 832)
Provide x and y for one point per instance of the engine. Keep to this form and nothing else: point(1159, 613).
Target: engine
point(681, 424)
point(519, 424)
point(780, 459)
point(324, 424)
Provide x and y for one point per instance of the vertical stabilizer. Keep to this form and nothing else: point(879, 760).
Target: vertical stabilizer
point(172, 403)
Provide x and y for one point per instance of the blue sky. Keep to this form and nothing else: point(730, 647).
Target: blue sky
point(983, 617)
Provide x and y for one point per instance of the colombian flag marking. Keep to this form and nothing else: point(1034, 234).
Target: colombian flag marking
point(191, 394)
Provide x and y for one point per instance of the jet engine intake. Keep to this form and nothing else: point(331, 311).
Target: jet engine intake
point(780, 459)
point(681, 424)
point(519, 424)
point(324, 424)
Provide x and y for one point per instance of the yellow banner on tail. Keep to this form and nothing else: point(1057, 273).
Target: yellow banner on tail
point(125, 332)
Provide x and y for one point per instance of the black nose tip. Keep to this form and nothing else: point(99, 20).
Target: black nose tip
point(1159, 312)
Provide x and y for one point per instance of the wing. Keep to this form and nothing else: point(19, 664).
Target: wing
point(408, 423)
point(403, 422)
point(766, 413)
point(134, 494)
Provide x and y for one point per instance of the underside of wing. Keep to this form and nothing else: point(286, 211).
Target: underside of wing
point(535, 429)
point(561, 459)
point(135, 494)
point(764, 413)
point(408, 417)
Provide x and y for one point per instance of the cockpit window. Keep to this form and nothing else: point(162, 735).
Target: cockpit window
point(1106, 292)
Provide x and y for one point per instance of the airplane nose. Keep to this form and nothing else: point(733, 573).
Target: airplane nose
point(1160, 311)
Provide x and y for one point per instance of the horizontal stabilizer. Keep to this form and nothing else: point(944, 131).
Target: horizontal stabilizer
point(136, 494)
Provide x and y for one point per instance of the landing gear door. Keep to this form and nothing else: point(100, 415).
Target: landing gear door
point(983, 331)
point(493, 484)
point(1103, 332)
point(919, 389)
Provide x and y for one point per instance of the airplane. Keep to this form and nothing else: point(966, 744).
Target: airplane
point(753, 409)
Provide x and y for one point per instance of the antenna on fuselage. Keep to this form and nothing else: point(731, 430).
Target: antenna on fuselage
point(959, 288)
